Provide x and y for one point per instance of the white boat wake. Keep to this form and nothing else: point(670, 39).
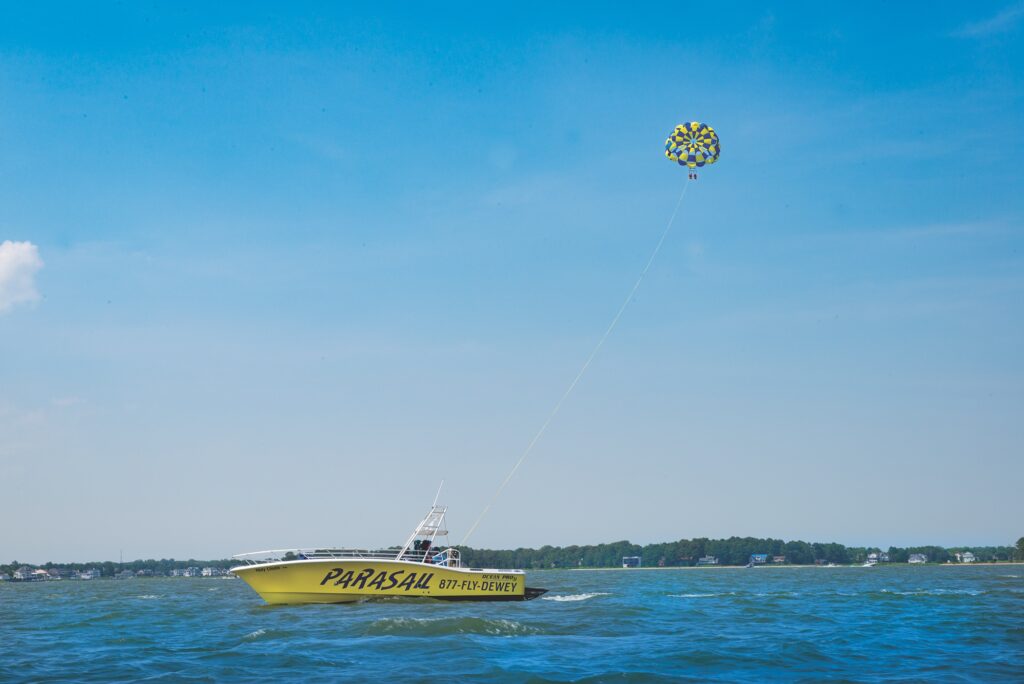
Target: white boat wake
point(575, 597)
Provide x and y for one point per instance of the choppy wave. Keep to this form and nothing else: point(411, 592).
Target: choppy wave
point(410, 626)
point(712, 595)
point(576, 597)
point(934, 592)
point(255, 635)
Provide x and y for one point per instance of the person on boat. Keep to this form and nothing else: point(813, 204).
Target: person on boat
point(422, 548)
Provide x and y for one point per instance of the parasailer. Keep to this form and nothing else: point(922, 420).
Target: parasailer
point(694, 145)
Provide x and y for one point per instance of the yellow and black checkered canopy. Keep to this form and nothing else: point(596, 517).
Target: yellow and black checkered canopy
point(693, 144)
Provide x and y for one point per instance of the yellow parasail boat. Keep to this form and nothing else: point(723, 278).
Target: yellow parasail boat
point(420, 569)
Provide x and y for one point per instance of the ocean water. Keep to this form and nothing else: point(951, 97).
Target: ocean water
point(863, 624)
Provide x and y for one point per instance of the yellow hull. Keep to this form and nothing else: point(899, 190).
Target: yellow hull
point(346, 580)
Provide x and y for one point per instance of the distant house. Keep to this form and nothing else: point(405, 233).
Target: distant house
point(878, 557)
point(124, 574)
point(631, 561)
point(778, 559)
point(759, 558)
point(917, 558)
point(4, 577)
point(91, 573)
point(24, 574)
point(707, 560)
point(27, 574)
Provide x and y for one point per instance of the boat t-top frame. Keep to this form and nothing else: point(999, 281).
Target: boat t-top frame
point(420, 547)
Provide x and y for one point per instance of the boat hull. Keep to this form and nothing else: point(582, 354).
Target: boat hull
point(348, 580)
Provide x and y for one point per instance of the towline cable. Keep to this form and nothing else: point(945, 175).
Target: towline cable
point(583, 369)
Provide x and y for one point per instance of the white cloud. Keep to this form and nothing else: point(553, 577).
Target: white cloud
point(19, 262)
point(1003, 21)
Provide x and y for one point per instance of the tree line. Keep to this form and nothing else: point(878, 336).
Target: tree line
point(685, 552)
point(731, 551)
point(111, 568)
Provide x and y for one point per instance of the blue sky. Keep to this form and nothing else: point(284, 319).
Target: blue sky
point(273, 273)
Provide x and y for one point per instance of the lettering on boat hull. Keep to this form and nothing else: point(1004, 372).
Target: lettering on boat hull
point(340, 581)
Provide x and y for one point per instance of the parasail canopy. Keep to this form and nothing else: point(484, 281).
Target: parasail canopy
point(693, 144)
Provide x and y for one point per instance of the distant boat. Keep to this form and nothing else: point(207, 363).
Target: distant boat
point(417, 570)
point(869, 564)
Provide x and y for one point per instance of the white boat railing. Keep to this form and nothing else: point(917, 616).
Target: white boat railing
point(448, 558)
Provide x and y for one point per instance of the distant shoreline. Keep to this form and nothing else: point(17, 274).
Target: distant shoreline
point(791, 566)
